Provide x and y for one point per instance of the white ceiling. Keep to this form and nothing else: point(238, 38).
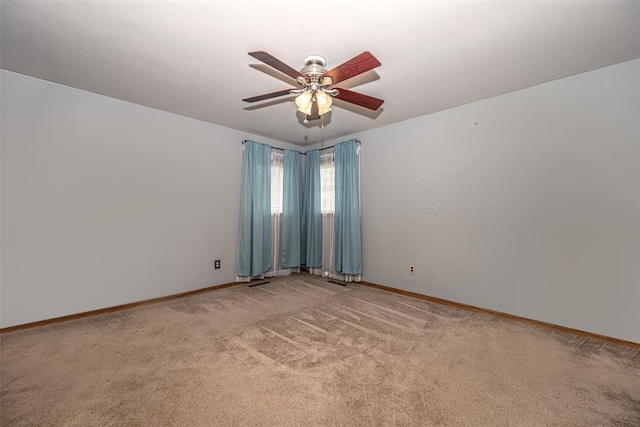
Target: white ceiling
point(191, 58)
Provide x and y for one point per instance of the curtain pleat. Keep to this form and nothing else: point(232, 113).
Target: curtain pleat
point(312, 235)
point(291, 210)
point(347, 235)
point(254, 246)
point(277, 269)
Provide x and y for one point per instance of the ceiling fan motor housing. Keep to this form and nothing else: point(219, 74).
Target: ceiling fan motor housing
point(314, 67)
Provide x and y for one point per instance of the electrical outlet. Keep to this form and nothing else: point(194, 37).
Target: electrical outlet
point(216, 264)
point(412, 269)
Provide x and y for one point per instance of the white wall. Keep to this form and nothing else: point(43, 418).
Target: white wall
point(527, 203)
point(105, 202)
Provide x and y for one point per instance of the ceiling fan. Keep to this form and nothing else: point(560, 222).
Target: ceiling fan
point(315, 84)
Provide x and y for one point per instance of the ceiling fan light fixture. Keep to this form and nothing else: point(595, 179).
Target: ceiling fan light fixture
point(303, 101)
point(324, 100)
point(322, 111)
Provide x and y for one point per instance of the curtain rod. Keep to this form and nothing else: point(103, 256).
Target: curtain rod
point(273, 148)
point(304, 154)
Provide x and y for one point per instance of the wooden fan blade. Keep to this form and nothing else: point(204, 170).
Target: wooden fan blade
point(360, 99)
point(315, 113)
point(268, 95)
point(356, 65)
point(275, 63)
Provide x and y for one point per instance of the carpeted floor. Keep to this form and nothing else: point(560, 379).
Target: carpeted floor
point(303, 352)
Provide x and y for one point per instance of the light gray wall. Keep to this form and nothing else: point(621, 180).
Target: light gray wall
point(527, 203)
point(534, 210)
point(105, 202)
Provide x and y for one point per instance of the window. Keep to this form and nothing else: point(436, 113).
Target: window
point(277, 181)
point(327, 183)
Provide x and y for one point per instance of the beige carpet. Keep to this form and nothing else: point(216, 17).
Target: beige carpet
point(304, 352)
